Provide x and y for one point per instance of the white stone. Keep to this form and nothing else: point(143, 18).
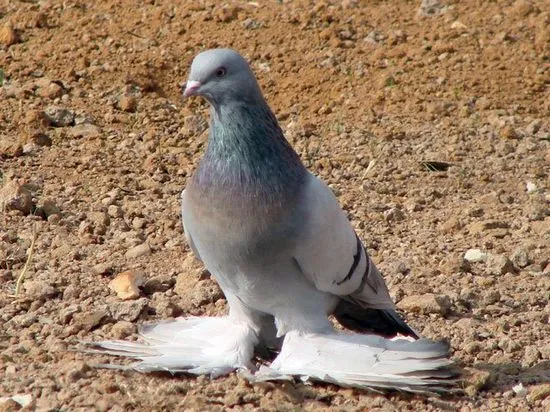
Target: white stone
point(475, 255)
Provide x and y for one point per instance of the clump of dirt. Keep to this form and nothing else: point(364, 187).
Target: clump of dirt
point(430, 123)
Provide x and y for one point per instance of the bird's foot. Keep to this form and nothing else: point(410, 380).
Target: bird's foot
point(362, 361)
point(203, 346)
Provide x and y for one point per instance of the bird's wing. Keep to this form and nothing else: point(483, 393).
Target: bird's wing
point(331, 256)
point(185, 217)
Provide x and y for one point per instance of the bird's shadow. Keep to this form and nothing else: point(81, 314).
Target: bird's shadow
point(504, 376)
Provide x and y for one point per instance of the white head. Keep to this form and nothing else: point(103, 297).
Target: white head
point(222, 75)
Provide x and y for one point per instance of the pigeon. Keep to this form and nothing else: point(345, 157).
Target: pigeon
point(286, 257)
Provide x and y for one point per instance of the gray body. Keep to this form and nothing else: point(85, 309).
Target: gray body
point(262, 223)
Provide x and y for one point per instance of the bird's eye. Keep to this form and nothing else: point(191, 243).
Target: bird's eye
point(222, 71)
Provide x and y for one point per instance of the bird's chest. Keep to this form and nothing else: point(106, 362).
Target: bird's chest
point(240, 230)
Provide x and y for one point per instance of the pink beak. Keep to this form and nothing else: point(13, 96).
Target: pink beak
point(191, 88)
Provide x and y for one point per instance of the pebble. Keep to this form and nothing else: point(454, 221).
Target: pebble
point(520, 258)
point(47, 207)
point(14, 196)
point(51, 91)
point(531, 356)
point(59, 116)
point(114, 211)
point(137, 251)
point(394, 214)
point(123, 329)
point(508, 132)
point(39, 138)
point(429, 8)
point(126, 284)
point(533, 127)
point(426, 304)
point(531, 187)
point(128, 310)
point(102, 268)
point(476, 380)
point(499, 265)
point(8, 36)
point(71, 292)
point(39, 290)
point(127, 103)
point(475, 255)
point(84, 130)
point(89, 320)
point(9, 405)
point(519, 389)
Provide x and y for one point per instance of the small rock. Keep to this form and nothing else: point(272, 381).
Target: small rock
point(127, 103)
point(89, 320)
point(71, 292)
point(531, 356)
point(509, 345)
point(123, 329)
point(126, 284)
point(519, 389)
point(520, 258)
point(129, 310)
point(429, 8)
point(394, 214)
point(10, 149)
point(66, 314)
point(227, 14)
point(475, 255)
point(114, 211)
point(531, 187)
point(508, 132)
point(38, 289)
point(84, 130)
point(51, 91)
point(401, 267)
point(9, 404)
point(59, 116)
point(37, 119)
point(458, 25)
point(100, 221)
point(39, 138)
point(426, 304)
point(137, 251)
point(476, 380)
point(533, 127)
point(542, 227)
point(472, 348)
point(499, 265)
point(491, 297)
point(158, 284)
point(47, 208)
point(480, 227)
point(8, 36)
point(14, 196)
point(102, 268)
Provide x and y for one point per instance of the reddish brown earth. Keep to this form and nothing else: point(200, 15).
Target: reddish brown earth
point(96, 145)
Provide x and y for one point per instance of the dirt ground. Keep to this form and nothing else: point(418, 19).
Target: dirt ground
point(448, 104)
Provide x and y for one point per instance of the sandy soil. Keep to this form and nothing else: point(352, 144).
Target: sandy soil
point(96, 145)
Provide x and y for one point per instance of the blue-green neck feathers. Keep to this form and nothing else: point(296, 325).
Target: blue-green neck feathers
point(248, 161)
